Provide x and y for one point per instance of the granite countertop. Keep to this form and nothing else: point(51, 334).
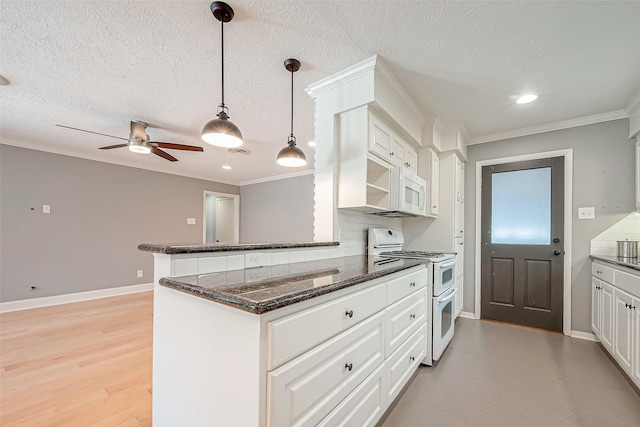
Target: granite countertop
point(192, 249)
point(624, 262)
point(259, 290)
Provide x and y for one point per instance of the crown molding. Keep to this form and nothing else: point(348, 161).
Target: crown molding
point(382, 71)
point(96, 158)
point(276, 178)
point(634, 103)
point(549, 127)
point(342, 77)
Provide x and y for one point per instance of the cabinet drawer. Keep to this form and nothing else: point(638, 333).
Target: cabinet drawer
point(627, 282)
point(293, 335)
point(401, 365)
point(305, 390)
point(403, 286)
point(364, 406)
point(602, 272)
point(405, 317)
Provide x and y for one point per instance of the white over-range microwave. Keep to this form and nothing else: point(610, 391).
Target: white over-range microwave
point(407, 194)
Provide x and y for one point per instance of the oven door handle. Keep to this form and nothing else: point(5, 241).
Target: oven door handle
point(449, 294)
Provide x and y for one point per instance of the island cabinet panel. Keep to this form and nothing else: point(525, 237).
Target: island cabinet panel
point(305, 390)
point(297, 333)
point(364, 406)
point(404, 318)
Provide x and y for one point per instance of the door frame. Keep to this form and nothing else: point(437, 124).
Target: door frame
point(236, 213)
point(567, 154)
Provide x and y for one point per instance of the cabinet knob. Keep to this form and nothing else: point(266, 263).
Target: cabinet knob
point(413, 316)
point(412, 284)
point(391, 153)
point(349, 366)
point(412, 358)
point(349, 313)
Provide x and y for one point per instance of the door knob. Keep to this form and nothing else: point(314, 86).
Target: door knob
point(556, 252)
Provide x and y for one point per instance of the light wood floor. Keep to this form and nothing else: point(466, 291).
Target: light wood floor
point(80, 364)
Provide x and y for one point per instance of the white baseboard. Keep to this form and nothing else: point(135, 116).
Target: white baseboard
point(467, 315)
point(27, 304)
point(588, 336)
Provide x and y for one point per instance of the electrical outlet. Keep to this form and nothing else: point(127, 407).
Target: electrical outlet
point(140, 273)
point(253, 260)
point(587, 213)
point(191, 221)
point(46, 208)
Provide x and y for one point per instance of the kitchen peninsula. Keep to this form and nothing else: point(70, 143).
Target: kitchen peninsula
point(283, 334)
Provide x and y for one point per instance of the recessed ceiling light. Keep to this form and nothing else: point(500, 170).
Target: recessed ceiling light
point(312, 143)
point(227, 167)
point(525, 99)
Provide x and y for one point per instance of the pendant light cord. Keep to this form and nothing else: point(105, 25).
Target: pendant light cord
point(292, 103)
point(222, 39)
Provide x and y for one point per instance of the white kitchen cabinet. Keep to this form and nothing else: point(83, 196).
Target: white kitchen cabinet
point(615, 314)
point(638, 174)
point(459, 197)
point(459, 283)
point(623, 329)
point(369, 148)
point(401, 364)
point(434, 184)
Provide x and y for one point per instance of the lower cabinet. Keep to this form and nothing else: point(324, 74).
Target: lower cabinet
point(348, 379)
point(615, 315)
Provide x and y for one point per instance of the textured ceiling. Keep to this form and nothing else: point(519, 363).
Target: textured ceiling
point(98, 65)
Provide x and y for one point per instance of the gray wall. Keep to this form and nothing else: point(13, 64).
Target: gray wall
point(100, 212)
point(603, 176)
point(277, 211)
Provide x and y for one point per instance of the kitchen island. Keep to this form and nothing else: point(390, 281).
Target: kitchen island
point(297, 343)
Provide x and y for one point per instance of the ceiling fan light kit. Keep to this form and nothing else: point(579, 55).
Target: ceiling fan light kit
point(221, 132)
point(292, 156)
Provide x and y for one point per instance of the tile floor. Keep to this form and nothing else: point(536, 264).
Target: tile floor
point(495, 375)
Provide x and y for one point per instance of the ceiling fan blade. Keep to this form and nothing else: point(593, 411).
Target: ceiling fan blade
point(161, 153)
point(139, 130)
point(89, 131)
point(176, 146)
point(113, 146)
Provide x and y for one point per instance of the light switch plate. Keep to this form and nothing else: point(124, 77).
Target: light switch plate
point(46, 208)
point(191, 221)
point(587, 213)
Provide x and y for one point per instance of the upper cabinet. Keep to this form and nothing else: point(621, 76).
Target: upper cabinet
point(386, 143)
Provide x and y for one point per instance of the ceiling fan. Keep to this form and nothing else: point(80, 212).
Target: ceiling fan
point(140, 142)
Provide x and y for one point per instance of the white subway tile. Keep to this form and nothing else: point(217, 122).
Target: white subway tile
point(185, 267)
point(212, 264)
point(296, 256)
point(279, 258)
point(235, 262)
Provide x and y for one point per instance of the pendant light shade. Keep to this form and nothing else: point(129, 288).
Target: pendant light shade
point(221, 132)
point(291, 156)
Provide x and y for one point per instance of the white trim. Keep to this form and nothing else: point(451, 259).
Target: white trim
point(588, 336)
point(236, 214)
point(342, 77)
point(568, 224)
point(26, 304)
point(97, 158)
point(467, 315)
point(276, 178)
point(635, 101)
point(548, 127)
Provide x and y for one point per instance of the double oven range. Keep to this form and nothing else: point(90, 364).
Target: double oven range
point(385, 245)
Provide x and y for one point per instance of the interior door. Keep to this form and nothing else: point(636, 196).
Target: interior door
point(522, 242)
point(224, 221)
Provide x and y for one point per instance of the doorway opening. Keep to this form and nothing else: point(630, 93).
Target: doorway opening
point(221, 218)
point(537, 269)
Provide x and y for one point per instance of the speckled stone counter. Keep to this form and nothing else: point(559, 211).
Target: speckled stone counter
point(192, 249)
point(259, 290)
point(624, 262)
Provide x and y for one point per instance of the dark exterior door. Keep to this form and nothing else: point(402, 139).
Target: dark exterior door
point(522, 242)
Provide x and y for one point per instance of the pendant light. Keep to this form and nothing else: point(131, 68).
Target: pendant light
point(221, 132)
point(291, 156)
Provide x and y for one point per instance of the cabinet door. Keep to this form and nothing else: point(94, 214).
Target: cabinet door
point(635, 366)
point(459, 248)
point(606, 324)
point(398, 151)
point(596, 308)
point(411, 159)
point(380, 140)
point(459, 194)
point(623, 329)
point(434, 183)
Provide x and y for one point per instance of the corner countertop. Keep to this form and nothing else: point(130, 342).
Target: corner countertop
point(624, 262)
point(192, 249)
point(259, 290)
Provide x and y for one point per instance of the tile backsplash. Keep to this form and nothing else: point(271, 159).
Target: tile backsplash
point(626, 229)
